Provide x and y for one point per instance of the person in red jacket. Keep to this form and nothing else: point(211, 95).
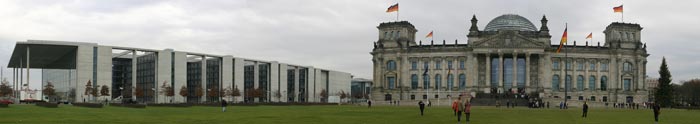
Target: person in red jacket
point(454, 107)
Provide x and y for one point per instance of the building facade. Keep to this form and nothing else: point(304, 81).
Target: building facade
point(509, 56)
point(140, 74)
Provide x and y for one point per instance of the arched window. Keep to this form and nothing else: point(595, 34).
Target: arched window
point(555, 83)
point(604, 83)
point(426, 81)
point(462, 81)
point(414, 81)
point(391, 35)
point(450, 81)
point(568, 82)
point(391, 65)
point(579, 83)
point(386, 35)
point(438, 81)
point(627, 67)
point(591, 83)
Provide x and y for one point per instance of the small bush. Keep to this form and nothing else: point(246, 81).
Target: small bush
point(89, 105)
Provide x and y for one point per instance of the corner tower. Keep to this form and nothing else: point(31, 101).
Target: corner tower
point(623, 35)
point(396, 34)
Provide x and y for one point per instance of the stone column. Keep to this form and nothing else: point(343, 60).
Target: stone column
point(500, 72)
point(488, 71)
point(203, 82)
point(515, 71)
point(527, 70)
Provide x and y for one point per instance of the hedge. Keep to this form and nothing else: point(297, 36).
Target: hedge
point(89, 105)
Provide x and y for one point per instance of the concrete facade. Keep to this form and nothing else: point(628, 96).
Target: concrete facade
point(97, 64)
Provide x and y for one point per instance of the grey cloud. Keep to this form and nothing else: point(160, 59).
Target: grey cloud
point(335, 34)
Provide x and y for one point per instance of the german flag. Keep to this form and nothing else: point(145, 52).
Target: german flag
point(618, 9)
point(590, 36)
point(429, 34)
point(563, 40)
point(393, 8)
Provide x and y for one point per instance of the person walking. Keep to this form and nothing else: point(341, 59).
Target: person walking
point(421, 105)
point(657, 112)
point(369, 103)
point(467, 110)
point(223, 105)
point(455, 107)
point(429, 103)
point(460, 108)
point(585, 110)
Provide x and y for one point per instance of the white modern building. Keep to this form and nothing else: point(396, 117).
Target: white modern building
point(140, 74)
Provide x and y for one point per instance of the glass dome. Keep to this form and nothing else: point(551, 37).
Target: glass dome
point(510, 22)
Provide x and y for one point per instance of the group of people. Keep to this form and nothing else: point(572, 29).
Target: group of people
point(538, 104)
point(655, 107)
point(632, 105)
point(459, 106)
point(395, 102)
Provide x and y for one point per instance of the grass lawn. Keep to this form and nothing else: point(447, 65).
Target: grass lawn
point(30, 114)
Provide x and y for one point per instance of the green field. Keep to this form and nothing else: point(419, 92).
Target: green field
point(30, 114)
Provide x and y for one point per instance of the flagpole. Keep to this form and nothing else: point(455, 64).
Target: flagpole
point(622, 13)
point(566, 70)
point(397, 15)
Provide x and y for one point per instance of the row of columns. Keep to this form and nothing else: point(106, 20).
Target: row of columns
point(501, 70)
point(18, 75)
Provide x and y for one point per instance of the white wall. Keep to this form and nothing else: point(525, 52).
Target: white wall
point(163, 74)
point(104, 70)
point(180, 75)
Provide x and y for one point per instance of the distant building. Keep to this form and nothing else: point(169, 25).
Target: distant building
point(360, 89)
point(510, 56)
point(127, 70)
point(652, 83)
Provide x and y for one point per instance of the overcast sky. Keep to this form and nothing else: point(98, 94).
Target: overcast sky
point(333, 34)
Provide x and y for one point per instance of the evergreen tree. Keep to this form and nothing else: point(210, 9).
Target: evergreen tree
point(664, 92)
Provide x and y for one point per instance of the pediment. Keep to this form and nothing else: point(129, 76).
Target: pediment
point(508, 40)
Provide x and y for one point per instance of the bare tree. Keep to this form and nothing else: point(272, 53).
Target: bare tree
point(235, 93)
point(324, 95)
point(104, 91)
point(49, 90)
point(5, 89)
point(139, 91)
point(170, 92)
point(88, 88)
point(183, 92)
point(213, 92)
point(198, 92)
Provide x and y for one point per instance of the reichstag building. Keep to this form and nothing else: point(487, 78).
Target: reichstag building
point(510, 56)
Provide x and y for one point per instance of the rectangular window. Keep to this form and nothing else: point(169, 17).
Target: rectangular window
point(392, 82)
point(449, 64)
point(592, 66)
point(461, 64)
point(425, 65)
point(568, 65)
point(627, 84)
point(555, 65)
point(604, 66)
point(438, 65)
point(580, 66)
point(414, 65)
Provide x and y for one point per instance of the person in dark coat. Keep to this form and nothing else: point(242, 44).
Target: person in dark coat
point(369, 103)
point(657, 112)
point(585, 110)
point(223, 105)
point(421, 105)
